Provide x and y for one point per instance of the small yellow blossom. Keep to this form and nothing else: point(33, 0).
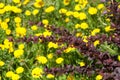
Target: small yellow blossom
point(82, 64)
point(50, 76)
point(4, 25)
point(42, 59)
point(59, 60)
point(9, 74)
point(62, 11)
point(20, 31)
point(77, 7)
point(92, 10)
point(7, 20)
point(45, 21)
point(1, 63)
point(66, 2)
point(19, 70)
point(67, 20)
point(35, 11)
point(15, 77)
point(2, 5)
point(69, 13)
point(27, 13)
point(82, 16)
point(39, 3)
point(95, 31)
point(26, 2)
point(50, 9)
point(34, 27)
point(17, 19)
point(69, 49)
point(108, 28)
point(37, 72)
point(77, 26)
point(47, 33)
point(50, 56)
point(52, 45)
point(2, 11)
point(99, 77)
point(84, 25)
point(8, 31)
point(18, 53)
point(96, 43)
point(119, 57)
point(21, 46)
point(16, 1)
point(100, 6)
point(76, 14)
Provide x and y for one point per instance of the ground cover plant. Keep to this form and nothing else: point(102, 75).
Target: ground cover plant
point(59, 40)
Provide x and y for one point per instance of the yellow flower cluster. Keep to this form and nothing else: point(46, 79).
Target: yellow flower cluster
point(52, 45)
point(7, 45)
point(37, 72)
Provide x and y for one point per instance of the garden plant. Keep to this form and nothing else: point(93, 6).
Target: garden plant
point(59, 39)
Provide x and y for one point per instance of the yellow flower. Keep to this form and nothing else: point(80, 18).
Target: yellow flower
point(66, 2)
point(78, 34)
point(19, 70)
point(96, 43)
point(35, 12)
point(21, 46)
point(42, 59)
point(100, 6)
point(20, 31)
point(76, 14)
point(49, 76)
point(25, 2)
point(82, 16)
point(82, 64)
point(108, 28)
point(69, 13)
point(4, 25)
point(1, 63)
point(108, 19)
point(7, 20)
point(77, 7)
point(92, 10)
point(2, 11)
point(18, 53)
point(45, 21)
point(17, 19)
point(46, 33)
point(37, 72)
point(34, 27)
point(59, 60)
point(95, 31)
point(99, 77)
point(39, 3)
point(62, 11)
point(2, 5)
point(85, 39)
point(15, 77)
point(50, 56)
point(52, 45)
point(16, 1)
point(50, 9)
point(69, 49)
point(84, 25)
point(9, 74)
point(27, 13)
point(67, 20)
point(8, 31)
point(77, 26)
point(15, 9)
point(119, 57)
